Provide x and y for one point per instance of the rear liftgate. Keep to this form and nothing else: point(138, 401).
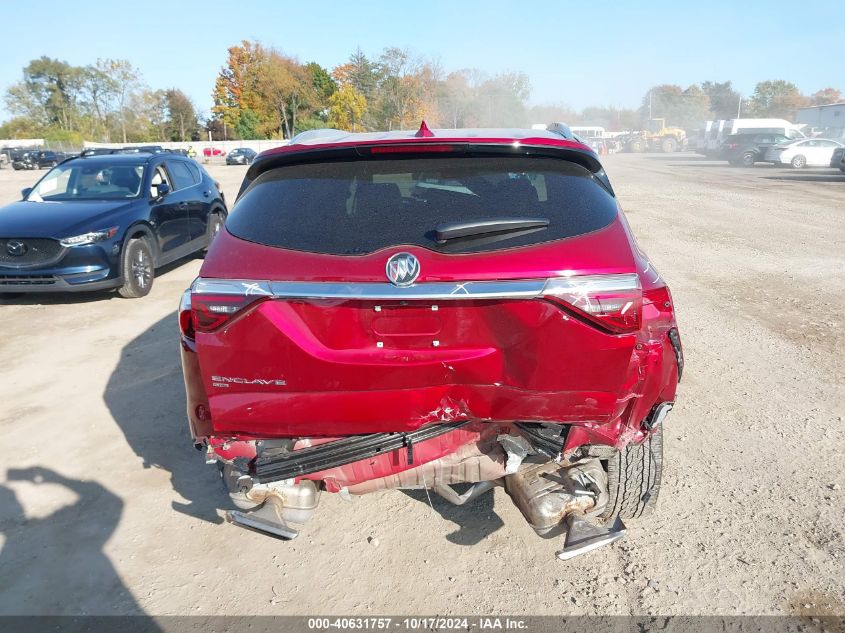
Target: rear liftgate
point(553, 497)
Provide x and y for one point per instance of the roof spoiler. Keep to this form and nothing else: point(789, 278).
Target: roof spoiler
point(566, 149)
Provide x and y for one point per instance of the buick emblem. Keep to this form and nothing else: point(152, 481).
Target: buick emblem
point(402, 269)
point(16, 248)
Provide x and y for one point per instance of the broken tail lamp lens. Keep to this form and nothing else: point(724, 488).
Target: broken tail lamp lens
point(612, 302)
point(210, 312)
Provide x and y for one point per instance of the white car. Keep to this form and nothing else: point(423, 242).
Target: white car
point(807, 152)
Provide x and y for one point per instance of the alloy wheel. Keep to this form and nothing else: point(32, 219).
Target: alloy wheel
point(142, 269)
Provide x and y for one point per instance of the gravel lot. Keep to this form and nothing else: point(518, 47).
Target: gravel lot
point(123, 517)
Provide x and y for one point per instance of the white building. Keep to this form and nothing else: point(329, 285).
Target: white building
point(829, 120)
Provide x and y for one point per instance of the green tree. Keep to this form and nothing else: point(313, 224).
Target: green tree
point(776, 98)
point(21, 127)
point(48, 93)
point(502, 100)
point(247, 126)
point(681, 108)
point(324, 85)
point(182, 121)
point(724, 100)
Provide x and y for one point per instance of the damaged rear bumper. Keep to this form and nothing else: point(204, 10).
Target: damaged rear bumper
point(289, 464)
point(278, 488)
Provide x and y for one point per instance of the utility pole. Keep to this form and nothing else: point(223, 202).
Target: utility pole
point(739, 107)
point(649, 105)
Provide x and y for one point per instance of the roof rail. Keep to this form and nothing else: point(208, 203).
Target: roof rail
point(146, 149)
point(96, 151)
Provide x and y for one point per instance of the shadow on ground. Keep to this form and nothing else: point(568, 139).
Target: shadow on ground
point(146, 397)
point(56, 564)
point(811, 176)
point(476, 520)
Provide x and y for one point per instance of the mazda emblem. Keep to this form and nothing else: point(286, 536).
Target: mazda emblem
point(16, 248)
point(402, 269)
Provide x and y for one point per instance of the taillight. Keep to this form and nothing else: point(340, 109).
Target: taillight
point(186, 324)
point(613, 302)
point(205, 312)
point(211, 311)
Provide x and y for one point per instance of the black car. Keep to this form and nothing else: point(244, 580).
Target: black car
point(747, 149)
point(25, 160)
point(241, 156)
point(838, 157)
point(107, 221)
point(38, 160)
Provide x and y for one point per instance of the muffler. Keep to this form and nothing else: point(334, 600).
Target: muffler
point(553, 498)
point(270, 508)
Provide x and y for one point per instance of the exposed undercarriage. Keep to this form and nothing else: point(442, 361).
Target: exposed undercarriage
point(276, 484)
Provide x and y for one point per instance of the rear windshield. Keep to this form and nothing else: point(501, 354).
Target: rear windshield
point(357, 207)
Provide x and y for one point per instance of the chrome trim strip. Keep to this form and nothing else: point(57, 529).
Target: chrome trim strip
point(434, 291)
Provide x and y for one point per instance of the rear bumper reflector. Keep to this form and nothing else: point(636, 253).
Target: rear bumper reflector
point(344, 451)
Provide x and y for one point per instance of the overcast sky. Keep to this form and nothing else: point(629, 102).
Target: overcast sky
point(584, 53)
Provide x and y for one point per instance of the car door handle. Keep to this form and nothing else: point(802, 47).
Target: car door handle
point(206, 193)
point(183, 205)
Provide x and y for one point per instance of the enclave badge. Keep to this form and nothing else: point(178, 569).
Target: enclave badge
point(402, 269)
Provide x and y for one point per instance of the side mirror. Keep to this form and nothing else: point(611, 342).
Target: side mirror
point(163, 189)
point(25, 192)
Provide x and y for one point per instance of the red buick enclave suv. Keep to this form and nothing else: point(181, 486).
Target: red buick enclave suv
point(422, 310)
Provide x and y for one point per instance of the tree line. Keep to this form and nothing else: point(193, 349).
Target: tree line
point(104, 101)
point(260, 92)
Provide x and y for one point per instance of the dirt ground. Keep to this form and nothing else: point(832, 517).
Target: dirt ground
point(105, 507)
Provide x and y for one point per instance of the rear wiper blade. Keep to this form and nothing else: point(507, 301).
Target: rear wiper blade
point(454, 230)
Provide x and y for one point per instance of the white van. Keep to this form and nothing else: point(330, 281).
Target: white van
point(713, 138)
point(699, 141)
point(763, 126)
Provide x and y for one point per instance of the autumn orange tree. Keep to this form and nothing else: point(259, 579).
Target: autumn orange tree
point(260, 92)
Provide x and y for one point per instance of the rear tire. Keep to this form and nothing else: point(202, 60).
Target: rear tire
point(748, 159)
point(669, 145)
point(215, 225)
point(633, 479)
point(137, 269)
point(636, 146)
point(798, 162)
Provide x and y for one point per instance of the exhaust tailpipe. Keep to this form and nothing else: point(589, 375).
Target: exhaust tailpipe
point(584, 536)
